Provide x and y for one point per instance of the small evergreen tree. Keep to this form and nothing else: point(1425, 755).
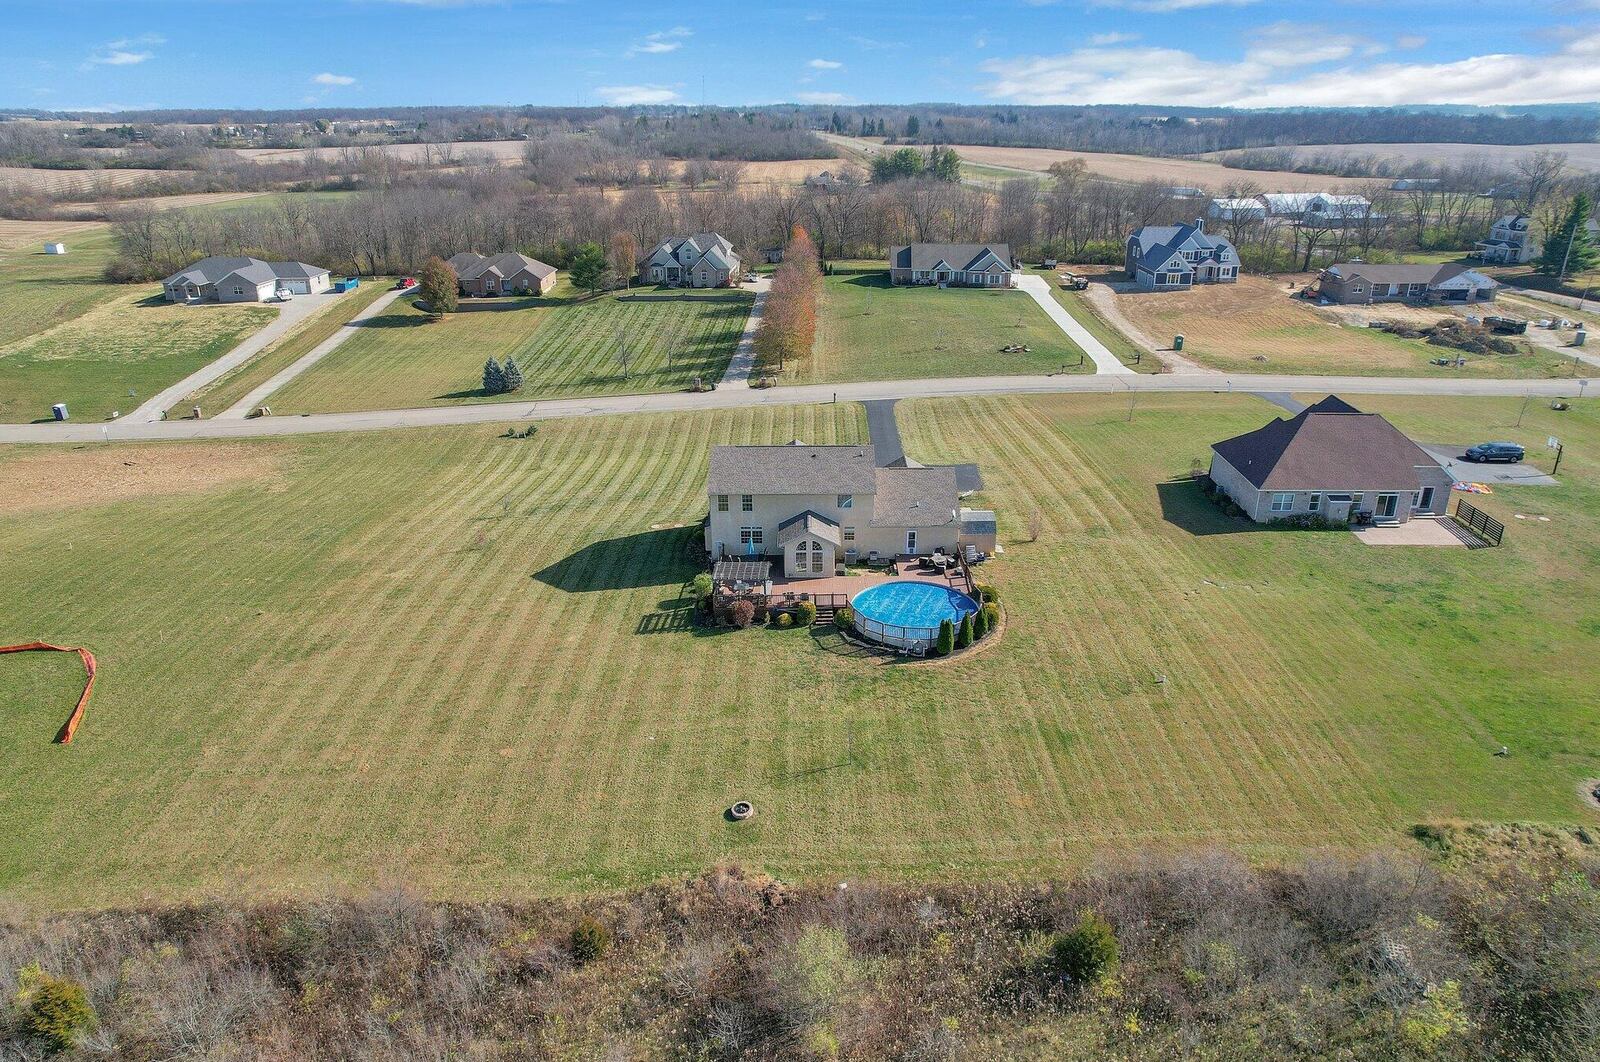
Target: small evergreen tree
point(964, 632)
point(1086, 953)
point(588, 267)
point(494, 378)
point(946, 641)
point(512, 376)
point(1571, 247)
point(980, 624)
point(437, 284)
point(56, 1010)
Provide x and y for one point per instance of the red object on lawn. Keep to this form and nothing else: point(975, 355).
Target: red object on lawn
point(70, 727)
point(405, 282)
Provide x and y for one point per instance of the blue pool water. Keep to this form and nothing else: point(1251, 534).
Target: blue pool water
point(909, 603)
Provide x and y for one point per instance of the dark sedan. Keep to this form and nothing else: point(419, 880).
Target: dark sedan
point(1494, 451)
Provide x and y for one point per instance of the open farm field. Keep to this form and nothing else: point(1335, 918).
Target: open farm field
point(1579, 156)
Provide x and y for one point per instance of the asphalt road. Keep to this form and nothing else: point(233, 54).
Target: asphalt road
point(736, 397)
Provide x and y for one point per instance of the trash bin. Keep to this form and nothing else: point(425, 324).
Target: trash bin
point(1177, 342)
point(59, 411)
point(1581, 338)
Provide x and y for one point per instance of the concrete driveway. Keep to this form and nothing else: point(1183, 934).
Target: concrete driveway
point(1105, 362)
point(290, 314)
point(744, 355)
point(1520, 474)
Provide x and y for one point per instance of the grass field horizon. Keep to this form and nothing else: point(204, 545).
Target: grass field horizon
point(464, 662)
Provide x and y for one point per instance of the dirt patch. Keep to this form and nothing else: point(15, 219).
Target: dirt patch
point(100, 475)
point(1590, 792)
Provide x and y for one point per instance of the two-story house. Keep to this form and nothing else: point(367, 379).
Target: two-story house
point(1511, 241)
point(1173, 257)
point(813, 506)
point(703, 260)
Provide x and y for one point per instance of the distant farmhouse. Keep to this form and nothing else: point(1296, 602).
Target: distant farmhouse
point(1334, 461)
point(502, 274)
point(1357, 283)
point(969, 265)
point(1236, 210)
point(1317, 208)
point(1512, 242)
point(703, 260)
point(1171, 257)
point(219, 279)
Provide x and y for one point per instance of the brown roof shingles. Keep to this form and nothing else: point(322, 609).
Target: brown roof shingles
point(1329, 446)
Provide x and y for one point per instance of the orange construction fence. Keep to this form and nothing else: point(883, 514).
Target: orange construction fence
point(70, 727)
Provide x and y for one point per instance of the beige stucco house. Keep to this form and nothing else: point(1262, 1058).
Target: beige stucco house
point(811, 507)
point(223, 279)
point(1334, 461)
point(507, 273)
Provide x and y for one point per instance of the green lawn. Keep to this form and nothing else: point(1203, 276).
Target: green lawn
point(565, 345)
point(115, 355)
point(868, 329)
point(284, 352)
point(39, 291)
point(462, 661)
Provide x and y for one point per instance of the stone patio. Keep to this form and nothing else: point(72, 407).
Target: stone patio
point(1414, 532)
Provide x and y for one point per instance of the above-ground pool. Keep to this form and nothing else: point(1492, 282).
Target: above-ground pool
point(906, 612)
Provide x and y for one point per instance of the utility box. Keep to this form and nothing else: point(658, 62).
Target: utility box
point(1581, 338)
point(59, 411)
point(1177, 342)
point(55, 248)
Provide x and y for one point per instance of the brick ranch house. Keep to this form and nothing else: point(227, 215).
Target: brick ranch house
point(507, 273)
point(1359, 283)
point(965, 265)
point(1331, 460)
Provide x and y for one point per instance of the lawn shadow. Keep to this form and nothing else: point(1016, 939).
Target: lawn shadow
point(476, 392)
point(1184, 506)
point(871, 280)
point(631, 562)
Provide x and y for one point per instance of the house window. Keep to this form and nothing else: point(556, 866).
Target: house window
point(722, 503)
point(749, 536)
point(849, 534)
point(1283, 501)
point(846, 501)
point(1314, 503)
point(238, 291)
point(747, 503)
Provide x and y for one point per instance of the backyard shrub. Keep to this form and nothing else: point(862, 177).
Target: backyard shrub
point(991, 616)
point(987, 594)
point(590, 939)
point(785, 619)
point(743, 613)
point(701, 587)
point(947, 638)
point(845, 618)
point(980, 624)
point(964, 632)
point(55, 1010)
point(805, 613)
point(1086, 953)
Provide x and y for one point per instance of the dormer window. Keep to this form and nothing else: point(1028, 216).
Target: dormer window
point(847, 501)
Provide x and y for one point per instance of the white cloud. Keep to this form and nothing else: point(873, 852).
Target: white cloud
point(1408, 41)
point(1101, 40)
point(1266, 78)
point(1285, 44)
point(833, 98)
point(130, 51)
point(334, 79)
point(636, 95)
point(824, 64)
point(1172, 5)
point(661, 43)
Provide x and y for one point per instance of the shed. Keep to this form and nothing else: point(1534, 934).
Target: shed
point(55, 248)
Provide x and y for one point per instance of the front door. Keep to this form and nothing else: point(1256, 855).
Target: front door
point(1425, 500)
point(911, 542)
point(1386, 506)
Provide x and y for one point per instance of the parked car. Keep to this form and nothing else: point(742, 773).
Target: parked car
point(404, 283)
point(285, 295)
point(1494, 451)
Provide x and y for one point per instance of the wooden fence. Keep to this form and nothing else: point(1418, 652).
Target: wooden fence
point(1479, 522)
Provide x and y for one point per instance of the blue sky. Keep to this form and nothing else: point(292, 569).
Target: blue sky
point(113, 54)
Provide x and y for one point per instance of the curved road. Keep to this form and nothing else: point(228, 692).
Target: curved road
point(736, 397)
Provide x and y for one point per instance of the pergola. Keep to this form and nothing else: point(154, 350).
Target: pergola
point(750, 572)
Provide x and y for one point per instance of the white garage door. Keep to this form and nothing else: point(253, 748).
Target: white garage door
point(299, 287)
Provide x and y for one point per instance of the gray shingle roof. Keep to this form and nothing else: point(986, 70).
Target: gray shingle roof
point(1157, 243)
point(220, 267)
point(1408, 273)
point(809, 524)
point(1327, 446)
point(915, 497)
point(956, 255)
point(469, 265)
point(792, 469)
